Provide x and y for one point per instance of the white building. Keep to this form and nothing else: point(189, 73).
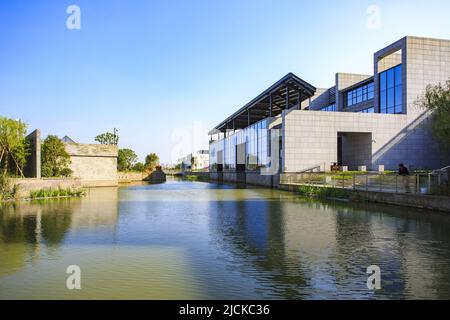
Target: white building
point(195, 161)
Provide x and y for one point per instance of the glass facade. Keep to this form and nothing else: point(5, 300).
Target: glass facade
point(391, 90)
point(253, 139)
point(331, 107)
point(368, 110)
point(359, 95)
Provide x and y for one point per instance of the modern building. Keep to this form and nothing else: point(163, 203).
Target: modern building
point(195, 161)
point(371, 121)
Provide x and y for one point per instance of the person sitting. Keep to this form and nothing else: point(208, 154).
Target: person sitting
point(404, 173)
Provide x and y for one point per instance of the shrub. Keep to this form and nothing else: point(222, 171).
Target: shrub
point(323, 192)
point(55, 159)
point(55, 193)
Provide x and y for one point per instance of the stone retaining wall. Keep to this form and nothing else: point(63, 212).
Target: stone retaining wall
point(27, 185)
point(126, 177)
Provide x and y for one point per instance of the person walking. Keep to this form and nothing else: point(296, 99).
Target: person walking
point(404, 173)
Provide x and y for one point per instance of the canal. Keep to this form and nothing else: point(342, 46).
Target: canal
point(195, 240)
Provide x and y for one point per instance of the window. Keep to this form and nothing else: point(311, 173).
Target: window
point(331, 107)
point(367, 110)
point(359, 95)
point(391, 90)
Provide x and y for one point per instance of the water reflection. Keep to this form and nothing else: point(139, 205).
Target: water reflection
point(315, 250)
point(198, 240)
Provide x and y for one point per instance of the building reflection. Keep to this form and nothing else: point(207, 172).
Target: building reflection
point(316, 250)
point(28, 227)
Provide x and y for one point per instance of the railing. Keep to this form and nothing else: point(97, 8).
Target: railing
point(419, 183)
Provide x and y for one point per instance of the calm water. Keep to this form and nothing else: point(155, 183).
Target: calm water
point(184, 240)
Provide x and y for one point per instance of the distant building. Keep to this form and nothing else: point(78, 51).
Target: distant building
point(67, 139)
point(195, 161)
point(95, 165)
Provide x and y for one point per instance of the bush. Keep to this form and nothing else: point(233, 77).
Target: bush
point(6, 191)
point(323, 192)
point(55, 193)
point(55, 159)
point(197, 178)
point(140, 167)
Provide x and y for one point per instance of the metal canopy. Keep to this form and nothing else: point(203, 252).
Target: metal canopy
point(286, 93)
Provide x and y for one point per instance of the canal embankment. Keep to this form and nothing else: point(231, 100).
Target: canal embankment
point(413, 200)
point(390, 194)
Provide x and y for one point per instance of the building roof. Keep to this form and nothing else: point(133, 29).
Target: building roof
point(67, 139)
point(290, 85)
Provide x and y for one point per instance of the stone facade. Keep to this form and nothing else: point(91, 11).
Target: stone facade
point(94, 164)
point(27, 185)
point(311, 138)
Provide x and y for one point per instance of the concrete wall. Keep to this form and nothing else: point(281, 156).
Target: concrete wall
point(94, 164)
point(25, 186)
point(125, 177)
point(32, 168)
point(311, 140)
point(319, 100)
point(311, 136)
point(343, 81)
point(440, 203)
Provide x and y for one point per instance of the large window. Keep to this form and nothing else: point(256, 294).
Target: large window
point(391, 90)
point(359, 95)
point(256, 141)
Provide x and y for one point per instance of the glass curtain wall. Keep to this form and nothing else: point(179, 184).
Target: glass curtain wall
point(391, 90)
point(255, 138)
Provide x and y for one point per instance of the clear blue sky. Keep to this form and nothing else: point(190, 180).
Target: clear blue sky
point(160, 71)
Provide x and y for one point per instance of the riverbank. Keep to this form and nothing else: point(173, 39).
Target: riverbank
point(420, 201)
point(412, 200)
point(44, 188)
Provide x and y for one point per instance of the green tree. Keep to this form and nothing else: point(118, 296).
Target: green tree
point(13, 146)
point(437, 99)
point(140, 167)
point(55, 159)
point(151, 161)
point(126, 159)
point(107, 138)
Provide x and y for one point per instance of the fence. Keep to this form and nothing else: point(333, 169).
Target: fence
point(423, 183)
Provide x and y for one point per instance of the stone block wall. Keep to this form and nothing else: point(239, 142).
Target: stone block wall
point(27, 185)
point(93, 164)
point(311, 136)
point(311, 139)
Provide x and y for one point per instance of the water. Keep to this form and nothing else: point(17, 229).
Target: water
point(193, 240)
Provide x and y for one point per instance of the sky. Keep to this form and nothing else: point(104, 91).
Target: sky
point(166, 72)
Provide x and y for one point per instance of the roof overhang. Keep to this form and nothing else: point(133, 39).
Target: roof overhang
point(286, 93)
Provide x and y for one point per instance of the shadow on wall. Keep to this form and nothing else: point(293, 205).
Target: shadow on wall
point(415, 146)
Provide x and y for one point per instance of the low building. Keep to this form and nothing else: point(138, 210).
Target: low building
point(363, 121)
point(94, 164)
point(195, 161)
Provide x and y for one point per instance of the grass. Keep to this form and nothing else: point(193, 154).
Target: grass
point(197, 178)
point(57, 193)
point(323, 192)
